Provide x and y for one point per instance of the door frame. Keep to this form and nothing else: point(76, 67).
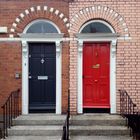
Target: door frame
point(45, 38)
point(102, 37)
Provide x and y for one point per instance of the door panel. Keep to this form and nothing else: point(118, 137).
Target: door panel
point(42, 73)
point(96, 64)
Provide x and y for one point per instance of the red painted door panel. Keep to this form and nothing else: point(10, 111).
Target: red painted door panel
point(96, 64)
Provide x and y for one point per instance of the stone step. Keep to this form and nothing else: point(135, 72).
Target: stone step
point(49, 126)
point(34, 138)
point(98, 130)
point(97, 119)
point(101, 138)
point(48, 130)
point(40, 119)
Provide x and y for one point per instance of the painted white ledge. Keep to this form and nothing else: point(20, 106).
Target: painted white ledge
point(95, 36)
point(39, 37)
point(64, 39)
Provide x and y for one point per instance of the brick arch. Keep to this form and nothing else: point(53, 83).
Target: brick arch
point(39, 12)
point(101, 13)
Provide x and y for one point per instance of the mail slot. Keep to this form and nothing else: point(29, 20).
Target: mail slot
point(42, 77)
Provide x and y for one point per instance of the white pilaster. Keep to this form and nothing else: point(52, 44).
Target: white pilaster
point(113, 76)
point(24, 77)
point(80, 79)
point(58, 78)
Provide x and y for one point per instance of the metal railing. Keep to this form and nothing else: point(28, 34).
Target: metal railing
point(126, 104)
point(65, 134)
point(1, 130)
point(129, 110)
point(10, 111)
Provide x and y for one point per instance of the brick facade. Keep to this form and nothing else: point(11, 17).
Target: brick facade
point(122, 15)
point(124, 18)
point(10, 63)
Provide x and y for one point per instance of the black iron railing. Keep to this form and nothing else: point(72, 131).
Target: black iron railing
point(129, 110)
point(126, 104)
point(1, 122)
point(10, 111)
point(65, 134)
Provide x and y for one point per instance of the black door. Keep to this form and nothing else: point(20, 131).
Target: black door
point(42, 77)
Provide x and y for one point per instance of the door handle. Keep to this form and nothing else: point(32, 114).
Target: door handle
point(95, 80)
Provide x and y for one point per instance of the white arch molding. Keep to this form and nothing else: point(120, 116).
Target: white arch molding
point(37, 37)
point(95, 37)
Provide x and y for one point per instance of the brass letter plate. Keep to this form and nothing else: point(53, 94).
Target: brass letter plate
point(96, 66)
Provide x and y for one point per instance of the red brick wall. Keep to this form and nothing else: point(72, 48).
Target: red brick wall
point(128, 62)
point(10, 63)
point(65, 75)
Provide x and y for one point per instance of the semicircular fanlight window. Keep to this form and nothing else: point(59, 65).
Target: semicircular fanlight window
point(96, 27)
point(42, 27)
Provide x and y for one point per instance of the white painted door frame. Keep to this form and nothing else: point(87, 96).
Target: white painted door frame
point(26, 38)
point(112, 38)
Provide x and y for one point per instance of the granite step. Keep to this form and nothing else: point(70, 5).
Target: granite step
point(49, 130)
point(97, 119)
point(40, 119)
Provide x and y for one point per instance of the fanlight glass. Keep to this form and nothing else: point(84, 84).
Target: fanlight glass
point(42, 27)
point(96, 27)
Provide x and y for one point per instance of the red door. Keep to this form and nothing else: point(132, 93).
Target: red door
point(96, 64)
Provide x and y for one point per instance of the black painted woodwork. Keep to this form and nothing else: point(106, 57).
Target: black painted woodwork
point(42, 93)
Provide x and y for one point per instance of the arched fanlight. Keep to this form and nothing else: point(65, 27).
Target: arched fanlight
point(96, 27)
point(42, 26)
